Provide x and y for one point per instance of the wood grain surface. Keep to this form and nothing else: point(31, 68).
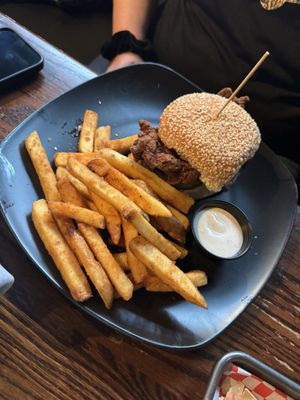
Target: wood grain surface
point(51, 350)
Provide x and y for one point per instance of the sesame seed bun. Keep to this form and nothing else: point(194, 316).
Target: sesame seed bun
point(216, 148)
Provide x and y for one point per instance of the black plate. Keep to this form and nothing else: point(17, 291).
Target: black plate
point(265, 191)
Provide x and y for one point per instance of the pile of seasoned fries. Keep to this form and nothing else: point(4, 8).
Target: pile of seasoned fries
point(100, 189)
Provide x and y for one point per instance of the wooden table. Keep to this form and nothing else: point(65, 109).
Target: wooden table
point(51, 350)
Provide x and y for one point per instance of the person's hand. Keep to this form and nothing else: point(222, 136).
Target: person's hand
point(123, 60)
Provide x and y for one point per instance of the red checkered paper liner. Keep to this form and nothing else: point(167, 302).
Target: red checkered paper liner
point(261, 389)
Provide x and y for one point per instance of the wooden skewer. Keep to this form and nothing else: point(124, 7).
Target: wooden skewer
point(256, 66)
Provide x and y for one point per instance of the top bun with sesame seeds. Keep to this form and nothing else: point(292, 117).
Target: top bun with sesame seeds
point(215, 147)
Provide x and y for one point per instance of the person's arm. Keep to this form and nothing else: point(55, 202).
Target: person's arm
point(132, 16)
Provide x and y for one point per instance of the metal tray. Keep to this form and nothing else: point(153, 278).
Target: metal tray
point(255, 367)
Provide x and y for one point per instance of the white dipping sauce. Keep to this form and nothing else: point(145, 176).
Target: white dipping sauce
point(219, 232)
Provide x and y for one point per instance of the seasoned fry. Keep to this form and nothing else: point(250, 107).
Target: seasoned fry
point(153, 284)
point(183, 251)
point(80, 214)
point(121, 259)
point(136, 286)
point(61, 159)
point(99, 186)
point(60, 252)
point(138, 270)
point(143, 185)
point(70, 194)
point(62, 172)
point(86, 258)
point(166, 270)
point(115, 273)
point(175, 226)
point(93, 207)
point(179, 200)
point(122, 145)
point(42, 166)
point(102, 137)
point(149, 232)
point(179, 216)
point(111, 216)
point(172, 226)
point(76, 241)
point(118, 180)
point(89, 125)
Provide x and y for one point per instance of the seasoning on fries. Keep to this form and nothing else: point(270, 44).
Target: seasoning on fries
point(166, 270)
point(42, 166)
point(89, 125)
point(121, 259)
point(118, 180)
point(78, 213)
point(99, 188)
point(60, 252)
point(154, 284)
point(122, 284)
point(62, 172)
point(111, 216)
point(149, 232)
point(122, 145)
point(178, 199)
point(102, 137)
point(137, 268)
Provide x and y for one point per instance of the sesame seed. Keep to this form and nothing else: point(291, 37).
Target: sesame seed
point(217, 148)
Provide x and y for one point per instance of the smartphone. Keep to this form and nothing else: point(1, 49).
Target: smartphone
point(18, 60)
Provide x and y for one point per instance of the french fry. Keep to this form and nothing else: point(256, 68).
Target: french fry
point(171, 226)
point(149, 232)
point(115, 273)
point(93, 207)
point(172, 196)
point(62, 172)
point(138, 270)
point(86, 258)
point(99, 186)
point(179, 216)
point(89, 125)
point(175, 227)
point(153, 284)
point(122, 145)
point(182, 250)
point(118, 180)
point(42, 166)
point(111, 216)
point(102, 137)
point(166, 270)
point(143, 185)
point(121, 259)
point(136, 286)
point(80, 214)
point(60, 252)
point(61, 158)
point(70, 194)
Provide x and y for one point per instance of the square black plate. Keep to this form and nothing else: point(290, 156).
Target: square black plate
point(264, 190)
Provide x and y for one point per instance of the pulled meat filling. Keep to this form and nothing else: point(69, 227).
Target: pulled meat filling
point(149, 151)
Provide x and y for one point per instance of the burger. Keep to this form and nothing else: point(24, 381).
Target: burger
point(193, 144)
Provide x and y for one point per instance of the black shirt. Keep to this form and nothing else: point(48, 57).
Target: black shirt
point(216, 42)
